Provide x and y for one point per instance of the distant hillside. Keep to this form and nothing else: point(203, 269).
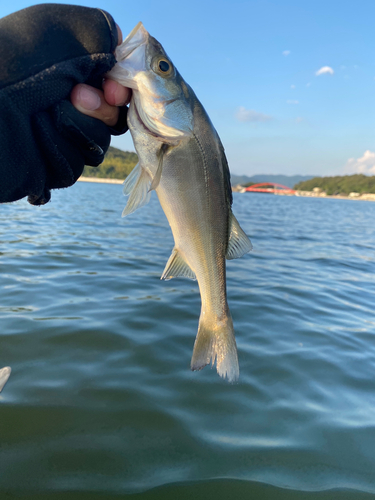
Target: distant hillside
point(286, 180)
point(117, 164)
point(346, 184)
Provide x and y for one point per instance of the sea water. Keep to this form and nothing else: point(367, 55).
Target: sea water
point(101, 402)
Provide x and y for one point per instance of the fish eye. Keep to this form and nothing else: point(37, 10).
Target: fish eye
point(164, 66)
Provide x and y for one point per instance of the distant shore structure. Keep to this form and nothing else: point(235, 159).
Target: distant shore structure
point(270, 187)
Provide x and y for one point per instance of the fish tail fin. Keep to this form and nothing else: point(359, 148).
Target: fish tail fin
point(215, 342)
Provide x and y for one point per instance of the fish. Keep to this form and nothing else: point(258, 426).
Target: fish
point(4, 376)
point(182, 158)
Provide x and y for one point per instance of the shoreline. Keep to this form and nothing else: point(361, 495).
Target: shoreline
point(314, 194)
point(100, 179)
point(305, 194)
point(351, 196)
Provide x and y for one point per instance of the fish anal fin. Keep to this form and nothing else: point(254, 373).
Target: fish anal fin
point(177, 266)
point(239, 243)
point(137, 187)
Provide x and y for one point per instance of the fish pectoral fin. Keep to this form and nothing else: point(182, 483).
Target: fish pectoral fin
point(177, 266)
point(239, 243)
point(157, 176)
point(136, 186)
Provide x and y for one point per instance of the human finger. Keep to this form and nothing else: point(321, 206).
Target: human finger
point(91, 102)
point(116, 94)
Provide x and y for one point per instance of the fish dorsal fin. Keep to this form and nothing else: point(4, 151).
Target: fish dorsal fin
point(239, 243)
point(157, 176)
point(137, 187)
point(176, 266)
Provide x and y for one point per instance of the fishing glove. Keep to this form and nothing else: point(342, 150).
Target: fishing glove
point(45, 50)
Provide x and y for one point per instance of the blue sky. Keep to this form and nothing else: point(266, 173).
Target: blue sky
point(254, 64)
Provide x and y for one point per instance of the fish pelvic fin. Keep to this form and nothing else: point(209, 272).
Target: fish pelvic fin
point(238, 243)
point(177, 266)
point(215, 342)
point(137, 187)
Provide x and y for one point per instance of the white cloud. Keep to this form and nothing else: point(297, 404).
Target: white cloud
point(363, 165)
point(293, 87)
point(286, 52)
point(299, 119)
point(308, 84)
point(290, 101)
point(249, 115)
point(324, 71)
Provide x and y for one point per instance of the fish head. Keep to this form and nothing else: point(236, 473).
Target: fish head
point(161, 97)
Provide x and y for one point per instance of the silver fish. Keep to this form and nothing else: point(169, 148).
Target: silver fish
point(182, 158)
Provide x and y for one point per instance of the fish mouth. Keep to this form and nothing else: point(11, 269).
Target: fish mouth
point(136, 37)
point(130, 57)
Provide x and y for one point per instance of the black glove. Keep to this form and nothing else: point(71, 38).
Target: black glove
point(45, 50)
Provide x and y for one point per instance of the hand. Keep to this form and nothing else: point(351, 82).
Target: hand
point(103, 105)
point(45, 51)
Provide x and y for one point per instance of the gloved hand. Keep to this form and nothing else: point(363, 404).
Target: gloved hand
point(45, 51)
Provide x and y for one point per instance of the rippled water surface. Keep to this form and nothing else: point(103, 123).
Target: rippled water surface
point(101, 402)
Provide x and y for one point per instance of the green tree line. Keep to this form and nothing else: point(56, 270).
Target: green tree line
point(345, 184)
point(117, 164)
